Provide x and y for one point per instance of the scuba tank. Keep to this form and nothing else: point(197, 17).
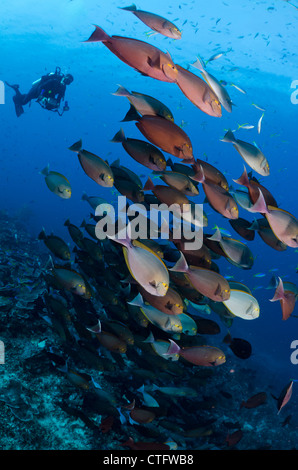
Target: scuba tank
point(57, 72)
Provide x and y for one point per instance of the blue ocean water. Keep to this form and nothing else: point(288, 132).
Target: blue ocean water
point(259, 39)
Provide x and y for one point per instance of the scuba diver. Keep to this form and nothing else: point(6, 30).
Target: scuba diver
point(48, 91)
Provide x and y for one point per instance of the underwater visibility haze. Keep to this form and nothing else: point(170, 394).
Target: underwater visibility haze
point(147, 344)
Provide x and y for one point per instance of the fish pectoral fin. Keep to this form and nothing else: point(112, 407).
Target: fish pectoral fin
point(180, 150)
point(154, 61)
point(217, 290)
point(206, 97)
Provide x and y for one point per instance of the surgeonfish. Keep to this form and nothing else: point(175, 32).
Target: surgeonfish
point(207, 282)
point(144, 265)
point(168, 323)
point(198, 92)
point(57, 246)
point(147, 59)
point(243, 305)
point(207, 356)
point(237, 252)
point(219, 90)
point(155, 22)
point(219, 199)
point(95, 167)
point(164, 134)
point(251, 154)
point(283, 224)
point(141, 151)
point(287, 299)
point(145, 104)
point(57, 183)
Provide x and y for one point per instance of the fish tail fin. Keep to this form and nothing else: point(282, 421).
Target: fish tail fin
point(123, 237)
point(42, 235)
point(121, 91)
point(95, 329)
point(49, 263)
point(131, 115)
point(173, 348)
point(128, 443)
point(279, 292)
point(141, 389)
point(129, 8)
point(84, 196)
point(149, 186)
point(243, 180)
point(119, 136)
point(67, 223)
point(227, 339)
point(216, 237)
point(154, 387)
point(150, 338)
point(260, 205)
point(77, 146)
point(170, 163)
point(181, 266)
point(273, 283)
point(199, 175)
point(83, 224)
point(137, 301)
point(98, 35)
point(45, 171)
point(229, 137)
point(254, 225)
point(116, 163)
point(199, 64)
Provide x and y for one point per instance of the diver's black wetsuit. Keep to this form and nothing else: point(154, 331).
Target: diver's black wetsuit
point(48, 92)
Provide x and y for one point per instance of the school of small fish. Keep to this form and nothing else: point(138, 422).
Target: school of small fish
point(146, 299)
